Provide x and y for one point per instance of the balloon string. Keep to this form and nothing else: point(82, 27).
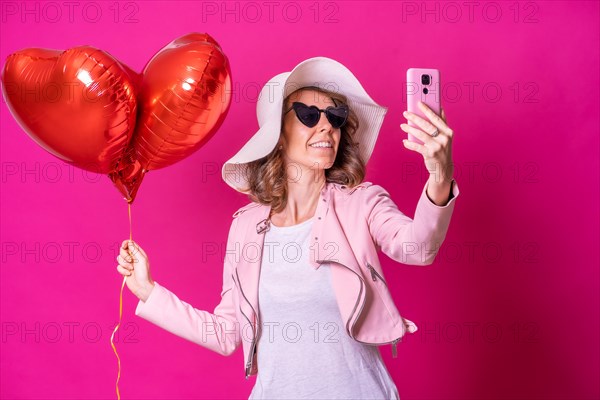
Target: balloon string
point(120, 312)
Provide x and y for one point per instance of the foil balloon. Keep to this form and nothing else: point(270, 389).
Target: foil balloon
point(79, 104)
point(184, 98)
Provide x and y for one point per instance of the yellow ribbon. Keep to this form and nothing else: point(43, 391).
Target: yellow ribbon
point(120, 313)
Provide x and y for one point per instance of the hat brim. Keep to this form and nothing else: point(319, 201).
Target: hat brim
point(321, 72)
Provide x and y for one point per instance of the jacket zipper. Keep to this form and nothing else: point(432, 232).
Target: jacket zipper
point(253, 345)
point(359, 293)
point(373, 275)
point(394, 351)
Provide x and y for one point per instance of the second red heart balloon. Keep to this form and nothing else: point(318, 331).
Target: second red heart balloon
point(184, 98)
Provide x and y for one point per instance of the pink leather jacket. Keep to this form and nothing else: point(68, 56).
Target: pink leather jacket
point(350, 227)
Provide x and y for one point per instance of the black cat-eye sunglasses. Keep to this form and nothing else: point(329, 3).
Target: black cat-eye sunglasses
point(310, 115)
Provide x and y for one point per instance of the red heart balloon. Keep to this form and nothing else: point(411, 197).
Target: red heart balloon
point(78, 104)
point(186, 92)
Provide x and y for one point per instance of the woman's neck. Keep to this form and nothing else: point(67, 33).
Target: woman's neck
point(302, 201)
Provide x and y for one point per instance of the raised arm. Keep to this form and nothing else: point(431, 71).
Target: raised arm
point(414, 242)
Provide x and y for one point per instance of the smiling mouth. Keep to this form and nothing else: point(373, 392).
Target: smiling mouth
point(322, 146)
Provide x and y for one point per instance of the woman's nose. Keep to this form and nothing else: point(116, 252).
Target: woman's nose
point(323, 123)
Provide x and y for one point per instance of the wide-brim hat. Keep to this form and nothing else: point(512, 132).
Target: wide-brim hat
point(321, 72)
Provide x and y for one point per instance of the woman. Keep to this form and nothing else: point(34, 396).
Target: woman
point(315, 228)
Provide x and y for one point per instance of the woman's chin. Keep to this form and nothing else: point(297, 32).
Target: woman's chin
point(323, 162)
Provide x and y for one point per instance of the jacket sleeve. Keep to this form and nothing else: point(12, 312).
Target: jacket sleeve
point(413, 242)
point(218, 331)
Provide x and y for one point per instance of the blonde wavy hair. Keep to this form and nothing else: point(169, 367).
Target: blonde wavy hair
point(267, 177)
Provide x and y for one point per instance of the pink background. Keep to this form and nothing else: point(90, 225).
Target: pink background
point(508, 310)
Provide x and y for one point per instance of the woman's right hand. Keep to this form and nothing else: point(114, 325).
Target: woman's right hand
point(135, 266)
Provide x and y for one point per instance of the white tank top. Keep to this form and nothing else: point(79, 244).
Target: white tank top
point(304, 351)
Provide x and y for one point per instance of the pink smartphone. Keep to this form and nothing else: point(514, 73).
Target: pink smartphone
point(422, 84)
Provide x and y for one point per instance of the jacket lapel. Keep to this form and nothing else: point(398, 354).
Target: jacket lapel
point(248, 269)
point(346, 276)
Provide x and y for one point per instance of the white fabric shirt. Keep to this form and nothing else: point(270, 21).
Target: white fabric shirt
point(304, 351)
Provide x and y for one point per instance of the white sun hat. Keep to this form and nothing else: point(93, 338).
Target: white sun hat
point(321, 72)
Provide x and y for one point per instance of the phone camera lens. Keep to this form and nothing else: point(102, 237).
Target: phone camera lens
point(425, 79)
point(425, 90)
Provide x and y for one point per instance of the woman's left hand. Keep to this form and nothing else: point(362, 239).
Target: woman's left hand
point(436, 151)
